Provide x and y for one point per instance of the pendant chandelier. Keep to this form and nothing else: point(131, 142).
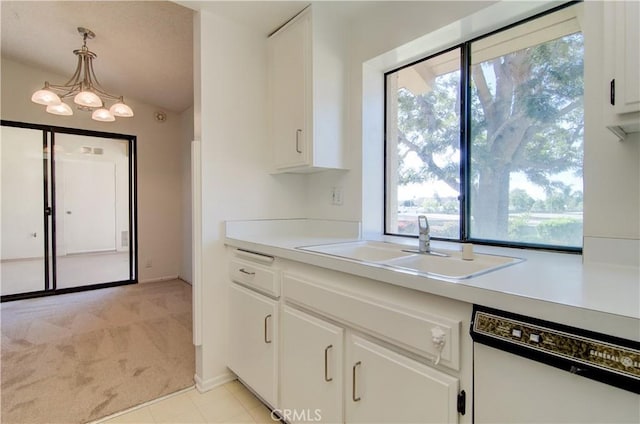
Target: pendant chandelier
point(85, 89)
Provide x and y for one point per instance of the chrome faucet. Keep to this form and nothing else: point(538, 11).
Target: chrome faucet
point(424, 238)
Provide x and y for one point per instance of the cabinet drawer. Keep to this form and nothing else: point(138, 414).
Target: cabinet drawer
point(256, 276)
point(412, 330)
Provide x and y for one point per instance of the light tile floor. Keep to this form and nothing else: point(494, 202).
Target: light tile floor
point(229, 403)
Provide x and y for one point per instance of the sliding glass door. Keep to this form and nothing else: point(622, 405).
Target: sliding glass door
point(24, 164)
point(92, 204)
point(68, 210)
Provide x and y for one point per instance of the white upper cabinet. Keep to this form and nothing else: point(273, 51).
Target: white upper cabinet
point(621, 28)
point(307, 92)
point(627, 61)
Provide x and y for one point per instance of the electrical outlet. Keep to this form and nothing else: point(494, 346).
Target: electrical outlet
point(148, 264)
point(336, 196)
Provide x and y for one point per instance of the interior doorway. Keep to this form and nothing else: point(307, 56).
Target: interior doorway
point(88, 206)
point(68, 210)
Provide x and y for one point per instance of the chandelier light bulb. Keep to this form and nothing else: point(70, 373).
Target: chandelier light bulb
point(45, 97)
point(102, 115)
point(61, 109)
point(87, 99)
point(121, 110)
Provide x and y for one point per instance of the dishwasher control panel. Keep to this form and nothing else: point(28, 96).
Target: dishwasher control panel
point(601, 357)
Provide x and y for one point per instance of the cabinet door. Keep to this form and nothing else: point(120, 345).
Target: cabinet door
point(386, 387)
point(311, 383)
point(289, 57)
point(253, 341)
point(627, 60)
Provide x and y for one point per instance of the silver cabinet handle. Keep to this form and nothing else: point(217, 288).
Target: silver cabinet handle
point(266, 325)
point(326, 367)
point(353, 387)
point(298, 133)
point(244, 271)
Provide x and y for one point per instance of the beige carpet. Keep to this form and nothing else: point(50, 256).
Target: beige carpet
point(78, 357)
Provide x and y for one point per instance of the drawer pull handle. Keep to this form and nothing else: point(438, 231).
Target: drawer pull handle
point(353, 387)
point(326, 367)
point(266, 326)
point(298, 133)
point(244, 271)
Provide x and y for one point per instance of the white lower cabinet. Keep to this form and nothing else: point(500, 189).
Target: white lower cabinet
point(377, 385)
point(386, 387)
point(253, 341)
point(325, 347)
point(312, 368)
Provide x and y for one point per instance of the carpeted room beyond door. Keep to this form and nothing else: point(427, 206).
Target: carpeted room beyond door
point(78, 357)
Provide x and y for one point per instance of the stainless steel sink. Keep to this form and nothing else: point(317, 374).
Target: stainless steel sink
point(448, 263)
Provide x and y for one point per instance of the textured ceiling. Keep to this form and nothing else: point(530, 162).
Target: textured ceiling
point(144, 48)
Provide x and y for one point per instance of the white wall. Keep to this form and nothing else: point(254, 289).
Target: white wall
point(231, 120)
point(159, 162)
point(185, 148)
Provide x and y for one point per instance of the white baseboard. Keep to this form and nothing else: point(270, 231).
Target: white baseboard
point(206, 385)
point(185, 280)
point(155, 280)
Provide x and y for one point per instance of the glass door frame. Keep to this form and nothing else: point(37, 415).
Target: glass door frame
point(49, 213)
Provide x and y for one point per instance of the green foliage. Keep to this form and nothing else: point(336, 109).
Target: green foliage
point(450, 230)
point(561, 231)
point(438, 205)
point(520, 229)
point(555, 231)
point(520, 201)
point(560, 198)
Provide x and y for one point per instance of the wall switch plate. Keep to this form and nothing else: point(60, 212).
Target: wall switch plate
point(336, 196)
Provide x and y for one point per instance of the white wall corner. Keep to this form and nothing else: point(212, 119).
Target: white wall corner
point(211, 383)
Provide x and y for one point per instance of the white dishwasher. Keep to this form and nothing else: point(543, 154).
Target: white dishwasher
point(527, 370)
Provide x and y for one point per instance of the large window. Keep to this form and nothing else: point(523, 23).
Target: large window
point(486, 139)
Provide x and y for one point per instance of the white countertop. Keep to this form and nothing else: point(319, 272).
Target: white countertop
point(553, 286)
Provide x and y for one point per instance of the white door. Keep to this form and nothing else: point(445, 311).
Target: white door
point(386, 387)
point(89, 206)
point(311, 383)
point(253, 341)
